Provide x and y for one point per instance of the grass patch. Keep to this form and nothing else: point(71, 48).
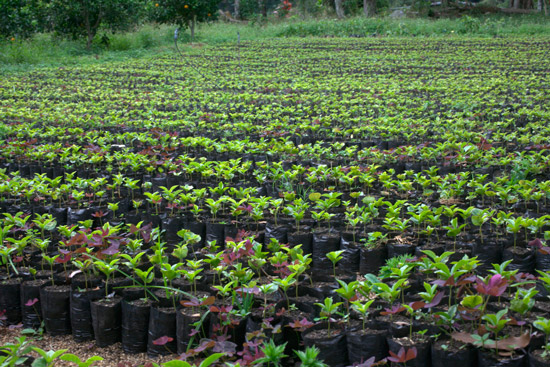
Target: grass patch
point(45, 50)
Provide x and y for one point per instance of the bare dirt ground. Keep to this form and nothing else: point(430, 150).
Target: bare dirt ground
point(113, 355)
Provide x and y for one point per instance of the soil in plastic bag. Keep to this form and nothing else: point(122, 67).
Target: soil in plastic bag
point(10, 297)
point(199, 229)
point(523, 259)
point(280, 233)
point(106, 316)
point(363, 345)
point(488, 253)
point(322, 245)
point(135, 325)
point(81, 314)
point(55, 303)
point(535, 359)
point(185, 320)
point(304, 239)
point(215, 232)
point(76, 215)
point(172, 226)
point(32, 314)
point(162, 322)
point(371, 260)
point(542, 261)
point(423, 351)
point(395, 249)
point(59, 214)
point(488, 359)
point(334, 350)
point(350, 257)
point(460, 358)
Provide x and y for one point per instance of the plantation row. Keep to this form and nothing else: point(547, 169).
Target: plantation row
point(364, 197)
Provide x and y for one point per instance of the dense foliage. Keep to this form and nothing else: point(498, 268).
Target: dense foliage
point(83, 18)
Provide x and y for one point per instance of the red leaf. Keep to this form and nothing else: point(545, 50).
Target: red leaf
point(411, 354)
point(163, 340)
point(31, 302)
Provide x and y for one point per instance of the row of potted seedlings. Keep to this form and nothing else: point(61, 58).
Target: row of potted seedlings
point(185, 297)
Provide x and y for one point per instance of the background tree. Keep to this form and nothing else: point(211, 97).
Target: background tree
point(19, 18)
point(339, 8)
point(186, 13)
point(78, 18)
point(369, 7)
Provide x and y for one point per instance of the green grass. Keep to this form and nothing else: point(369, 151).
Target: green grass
point(45, 50)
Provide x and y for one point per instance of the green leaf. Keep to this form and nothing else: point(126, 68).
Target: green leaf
point(40, 362)
point(314, 196)
point(69, 357)
point(211, 359)
point(176, 363)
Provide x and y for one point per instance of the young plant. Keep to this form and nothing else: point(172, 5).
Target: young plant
point(328, 308)
point(47, 359)
point(309, 356)
point(273, 354)
point(543, 324)
point(80, 363)
point(363, 309)
point(146, 276)
point(402, 356)
point(495, 323)
point(107, 268)
point(453, 230)
point(334, 257)
point(285, 284)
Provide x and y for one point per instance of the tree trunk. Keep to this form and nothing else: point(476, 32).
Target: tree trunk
point(339, 8)
point(369, 7)
point(91, 29)
point(192, 24)
point(516, 4)
point(237, 9)
point(539, 6)
point(263, 8)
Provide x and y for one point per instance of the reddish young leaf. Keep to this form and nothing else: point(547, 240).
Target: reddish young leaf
point(163, 340)
point(31, 302)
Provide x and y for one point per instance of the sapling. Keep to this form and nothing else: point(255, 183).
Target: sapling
point(495, 323)
point(412, 309)
point(273, 354)
point(146, 276)
point(453, 230)
point(193, 274)
point(328, 308)
point(543, 324)
point(45, 222)
point(107, 268)
point(348, 291)
point(80, 363)
point(113, 207)
point(309, 356)
point(266, 289)
point(169, 273)
point(5, 257)
point(51, 261)
point(514, 225)
point(132, 262)
point(334, 257)
point(363, 309)
point(47, 359)
point(285, 284)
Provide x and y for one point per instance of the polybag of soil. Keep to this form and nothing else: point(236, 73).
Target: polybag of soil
point(135, 325)
point(106, 317)
point(81, 314)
